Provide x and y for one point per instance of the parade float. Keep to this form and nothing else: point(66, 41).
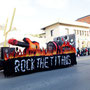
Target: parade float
point(59, 53)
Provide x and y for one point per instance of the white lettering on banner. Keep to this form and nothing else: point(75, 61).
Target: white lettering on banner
point(65, 60)
point(46, 62)
point(59, 60)
point(23, 65)
point(55, 60)
point(68, 60)
point(38, 59)
point(27, 64)
point(17, 65)
point(51, 58)
point(62, 60)
point(32, 64)
point(41, 62)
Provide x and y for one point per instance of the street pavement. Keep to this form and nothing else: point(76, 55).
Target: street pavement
point(76, 77)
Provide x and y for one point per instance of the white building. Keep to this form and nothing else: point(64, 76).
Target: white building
point(64, 27)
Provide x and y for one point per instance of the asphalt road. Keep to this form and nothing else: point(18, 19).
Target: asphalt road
point(76, 77)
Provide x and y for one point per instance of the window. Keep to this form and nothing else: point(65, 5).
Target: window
point(77, 32)
point(74, 31)
point(51, 32)
point(67, 31)
point(85, 33)
point(80, 33)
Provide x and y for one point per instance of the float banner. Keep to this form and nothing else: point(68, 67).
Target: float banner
point(25, 65)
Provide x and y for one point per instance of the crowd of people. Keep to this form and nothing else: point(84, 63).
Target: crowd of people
point(83, 51)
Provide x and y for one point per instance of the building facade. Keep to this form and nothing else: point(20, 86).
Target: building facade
point(63, 27)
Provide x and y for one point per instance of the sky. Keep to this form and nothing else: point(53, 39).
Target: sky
point(32, 15)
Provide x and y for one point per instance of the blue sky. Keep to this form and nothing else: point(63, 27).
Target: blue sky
point(32, 15)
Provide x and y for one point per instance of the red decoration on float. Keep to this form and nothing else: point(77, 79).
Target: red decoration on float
point(32, 48)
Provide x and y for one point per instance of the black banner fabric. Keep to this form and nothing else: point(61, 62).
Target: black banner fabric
point(25, 65)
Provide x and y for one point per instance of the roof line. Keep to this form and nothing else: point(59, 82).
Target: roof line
point(83, 17)
point(64, 24)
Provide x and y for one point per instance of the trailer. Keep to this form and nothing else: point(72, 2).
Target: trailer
point(59, 53)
